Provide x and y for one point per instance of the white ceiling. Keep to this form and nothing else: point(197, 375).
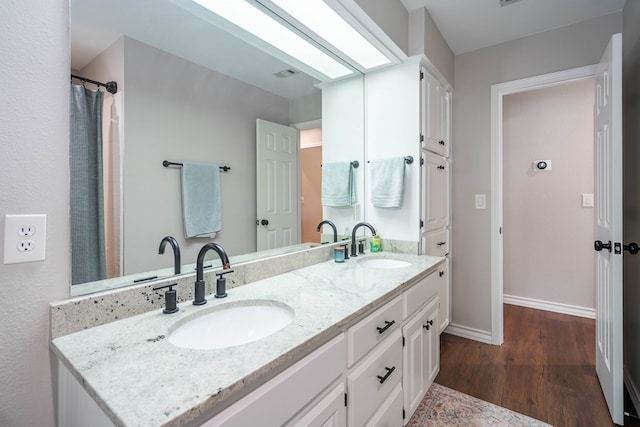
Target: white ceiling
point(468, 25)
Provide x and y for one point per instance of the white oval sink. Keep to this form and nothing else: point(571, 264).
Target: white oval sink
point(383, 263)
point(231, 324)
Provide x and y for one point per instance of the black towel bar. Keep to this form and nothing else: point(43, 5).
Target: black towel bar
point(167, 163)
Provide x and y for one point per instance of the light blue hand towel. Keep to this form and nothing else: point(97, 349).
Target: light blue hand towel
point(387, 182)
point(338, 185)
point(201, 209)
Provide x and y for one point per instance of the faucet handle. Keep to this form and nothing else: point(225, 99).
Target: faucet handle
point(221, 283)
point(170, 298)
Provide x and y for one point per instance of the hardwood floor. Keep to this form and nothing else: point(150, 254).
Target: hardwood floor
point(545, 369)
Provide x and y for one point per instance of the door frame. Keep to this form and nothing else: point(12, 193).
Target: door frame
point(498, 91)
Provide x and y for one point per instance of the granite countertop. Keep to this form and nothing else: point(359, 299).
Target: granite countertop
point(139, 378)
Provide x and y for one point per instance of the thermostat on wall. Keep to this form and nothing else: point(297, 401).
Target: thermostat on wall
point(542, 165)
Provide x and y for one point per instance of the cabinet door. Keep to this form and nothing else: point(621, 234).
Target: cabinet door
point(390, 412)
point(444, 312)
point(433, 343)
point(415, 361)
point(436, 105)
point(435, 192)
point(329, 412)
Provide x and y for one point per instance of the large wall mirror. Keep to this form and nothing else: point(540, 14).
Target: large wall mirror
point(189, 91)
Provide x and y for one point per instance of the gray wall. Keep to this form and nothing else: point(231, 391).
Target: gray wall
point(548, 235)
point(425, 39)
point(564, 48)
point(631, 183)
point(34, 177)
point(392, 18)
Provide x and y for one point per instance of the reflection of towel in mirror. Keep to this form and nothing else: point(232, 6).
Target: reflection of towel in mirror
point(387, 182)
point(201, 209)
point(338, 186)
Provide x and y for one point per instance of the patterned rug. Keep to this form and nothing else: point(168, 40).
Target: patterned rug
point(443, 406)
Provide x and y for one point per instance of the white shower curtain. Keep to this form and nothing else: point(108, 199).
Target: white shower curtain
point(87, 200)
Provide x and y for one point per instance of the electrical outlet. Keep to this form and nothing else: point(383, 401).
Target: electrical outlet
point(25, 238)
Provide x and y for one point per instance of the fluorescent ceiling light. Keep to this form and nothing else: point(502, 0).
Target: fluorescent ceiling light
point(261, 25)
point(328, 24)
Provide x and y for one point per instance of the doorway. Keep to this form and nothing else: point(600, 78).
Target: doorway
point(310, 184)
point(548, 168)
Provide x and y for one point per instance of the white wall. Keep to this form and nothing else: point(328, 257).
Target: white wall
point(180, 111)
point(563, 48)
point(393, 129)
point(548, 235)
point(34, 177)
point(392, 18)
point(631, 226)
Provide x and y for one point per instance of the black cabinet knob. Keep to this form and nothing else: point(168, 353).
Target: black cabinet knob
point(632, 247)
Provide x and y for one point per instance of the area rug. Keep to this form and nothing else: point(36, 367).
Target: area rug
point(444, 407)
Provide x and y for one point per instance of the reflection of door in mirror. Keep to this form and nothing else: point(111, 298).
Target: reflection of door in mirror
point(277, 185)
point(310, 184)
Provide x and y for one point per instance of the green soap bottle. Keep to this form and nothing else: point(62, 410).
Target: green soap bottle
point(375, 245)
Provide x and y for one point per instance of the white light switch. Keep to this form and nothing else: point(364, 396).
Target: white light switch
point(481, 201)
point(587, 200)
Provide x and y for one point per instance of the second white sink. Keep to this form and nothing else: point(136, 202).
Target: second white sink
point(231, 324)
point(383, 263)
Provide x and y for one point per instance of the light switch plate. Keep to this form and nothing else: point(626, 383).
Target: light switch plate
point(481, 201)
point(25, 238)
point(587, 200)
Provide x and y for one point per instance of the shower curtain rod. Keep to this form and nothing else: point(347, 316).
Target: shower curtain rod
point(111, 87)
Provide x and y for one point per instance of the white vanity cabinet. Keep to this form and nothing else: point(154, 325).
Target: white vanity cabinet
point(293, 392)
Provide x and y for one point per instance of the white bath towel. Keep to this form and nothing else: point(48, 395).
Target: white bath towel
point(387, 182)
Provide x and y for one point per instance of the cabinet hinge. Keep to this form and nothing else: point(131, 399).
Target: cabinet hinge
point(421, 161)
point(421, 137)
point(421, 75)
point(403, 337)
point(403, 414)
point(421, 225)
point(345, 399)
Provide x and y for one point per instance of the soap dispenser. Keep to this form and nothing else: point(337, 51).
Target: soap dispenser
point(375, 245)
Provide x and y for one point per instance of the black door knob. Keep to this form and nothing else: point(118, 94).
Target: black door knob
point(632, 247)
point(264, 222)
point(598, 245)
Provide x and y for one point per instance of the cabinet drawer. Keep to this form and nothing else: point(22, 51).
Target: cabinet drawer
point(390, 413)
point(276, 401)
point(366, 334)
point(436, 243)
point(418, 295)
point(374, 379)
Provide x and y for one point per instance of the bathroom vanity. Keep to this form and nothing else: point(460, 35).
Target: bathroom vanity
point(360, 349)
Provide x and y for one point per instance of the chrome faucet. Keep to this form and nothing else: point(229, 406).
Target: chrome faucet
point(220, 283)
point(335, 231)
point(176, 251)
point(353, 235)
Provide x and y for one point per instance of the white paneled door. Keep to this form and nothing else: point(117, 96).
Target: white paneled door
point(277, 193)
point(608, 226)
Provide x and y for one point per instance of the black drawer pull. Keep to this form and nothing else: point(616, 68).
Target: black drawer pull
point(441, 243)
point(386, 326)
point(441, 142)
point(386, 376)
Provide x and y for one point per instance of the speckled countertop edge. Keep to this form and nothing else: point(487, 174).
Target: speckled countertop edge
point(139, 378)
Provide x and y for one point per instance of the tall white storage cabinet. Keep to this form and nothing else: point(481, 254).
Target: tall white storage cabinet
point(435, 190)
point(408, 111)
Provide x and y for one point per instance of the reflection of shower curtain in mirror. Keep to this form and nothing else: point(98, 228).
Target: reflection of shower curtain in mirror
point(87, 203)
point(112, 139)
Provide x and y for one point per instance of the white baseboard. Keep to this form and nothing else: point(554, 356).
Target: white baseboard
point(555, 307)
point(469, 333)
point(632, 388)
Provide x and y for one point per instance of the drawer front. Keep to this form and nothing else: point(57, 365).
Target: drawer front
point(436, 243)
point(416, 296)
point(367, 333)
point(374, 379)
point(390, 413)
point(279, 399)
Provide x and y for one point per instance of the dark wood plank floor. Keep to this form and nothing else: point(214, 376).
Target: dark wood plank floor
point(545, 369)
